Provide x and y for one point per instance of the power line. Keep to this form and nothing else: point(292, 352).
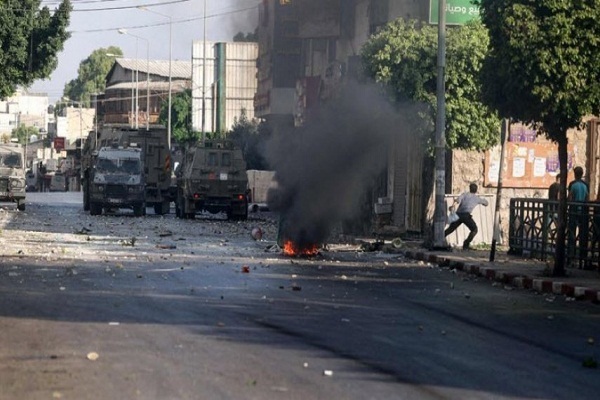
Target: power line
point(166, 23)
point(130, 7)
point(57, 2)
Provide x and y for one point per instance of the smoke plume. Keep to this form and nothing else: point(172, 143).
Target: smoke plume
point(324, 168)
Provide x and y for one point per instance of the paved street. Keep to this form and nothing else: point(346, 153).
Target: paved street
point(118, 307)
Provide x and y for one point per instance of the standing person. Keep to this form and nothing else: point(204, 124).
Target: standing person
point(554, 189)
point(578, 189)
point(578, 216)
point(553, 193)
point(467, 202)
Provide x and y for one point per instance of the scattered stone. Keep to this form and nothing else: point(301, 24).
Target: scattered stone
point(166, 246)
point(93, 356)
point(257, 234)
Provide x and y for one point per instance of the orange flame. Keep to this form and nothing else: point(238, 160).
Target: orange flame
point(292, 249)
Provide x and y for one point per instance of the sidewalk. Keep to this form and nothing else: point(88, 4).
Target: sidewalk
point(515, 271)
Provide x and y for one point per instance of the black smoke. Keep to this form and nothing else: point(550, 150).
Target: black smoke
point(324, 168)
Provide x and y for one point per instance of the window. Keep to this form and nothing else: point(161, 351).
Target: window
point(226, 160)
point(212, 159)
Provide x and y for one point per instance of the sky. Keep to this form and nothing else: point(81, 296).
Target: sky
point(95, 24)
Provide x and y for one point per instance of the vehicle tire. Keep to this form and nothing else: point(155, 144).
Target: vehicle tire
point(95, 208)
point(86, 197)
point(21, 205)
point(162, 208)
point(139, 210)
point(244, 215)
point(179, 207)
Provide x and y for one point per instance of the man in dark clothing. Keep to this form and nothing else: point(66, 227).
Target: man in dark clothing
point(553, 193)
point(554, 189)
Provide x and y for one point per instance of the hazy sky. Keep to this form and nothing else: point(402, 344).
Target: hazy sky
point(95, 24)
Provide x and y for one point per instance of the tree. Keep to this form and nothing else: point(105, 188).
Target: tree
point(246, 37)
point(91, 75)
point(181, 117)
point(23, 133)
point(403, 56)
point(543, 69)
point(30, 39)
point(251, 137)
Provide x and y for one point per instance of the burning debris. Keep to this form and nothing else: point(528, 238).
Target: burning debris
point(327, 169)
point(292, 249)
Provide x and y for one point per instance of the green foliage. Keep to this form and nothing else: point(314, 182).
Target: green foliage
point(543, 68)
point(23, 133)
point(251, 137)
point(403, 56)
point(181, 118)
point(30, 39)
point(91, 75)
point(246, 37)
point(544, 61)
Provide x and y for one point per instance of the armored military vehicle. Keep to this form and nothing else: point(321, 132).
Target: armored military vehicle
point(12, 174)
point(117, 181)
point(212, 177)
point(156, 158)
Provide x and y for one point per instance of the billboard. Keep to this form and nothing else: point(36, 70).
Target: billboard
point(458, 12)
point(59, 143)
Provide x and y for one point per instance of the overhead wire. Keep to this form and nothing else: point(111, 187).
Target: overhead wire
point(58, 2)
point(163, 23)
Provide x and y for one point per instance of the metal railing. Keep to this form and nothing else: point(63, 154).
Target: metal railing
point(532, 230)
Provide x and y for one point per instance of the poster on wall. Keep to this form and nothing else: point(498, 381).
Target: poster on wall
point(527, 164)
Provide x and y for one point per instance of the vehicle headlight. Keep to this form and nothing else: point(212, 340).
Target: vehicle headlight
point(17, 183)
point(100, 188)
point(135, 189)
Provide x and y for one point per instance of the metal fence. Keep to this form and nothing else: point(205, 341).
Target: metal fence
point(532, 230)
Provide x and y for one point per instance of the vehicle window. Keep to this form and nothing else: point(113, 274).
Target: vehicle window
point(226, 160)
point(130, 166)
point(11, 160)
point(213, 160)
point(105, 165)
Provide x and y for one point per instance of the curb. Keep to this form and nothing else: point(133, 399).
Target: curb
point(540, 285)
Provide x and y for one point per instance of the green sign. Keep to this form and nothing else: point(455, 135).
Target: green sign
point(458, 12)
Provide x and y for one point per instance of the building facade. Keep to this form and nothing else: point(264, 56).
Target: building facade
point(223, 84)
point(307, 51)
point(24, 108)
point(136, 88)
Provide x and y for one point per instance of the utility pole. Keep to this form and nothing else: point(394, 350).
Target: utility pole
point(496, 238)
point(204, 79)
point(439, 217)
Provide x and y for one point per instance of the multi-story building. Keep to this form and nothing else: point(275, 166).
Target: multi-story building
point(307, 49)
point(278, 62)
point(223, 83)
point(72, 124)
point(136, 88)
point(24, 108)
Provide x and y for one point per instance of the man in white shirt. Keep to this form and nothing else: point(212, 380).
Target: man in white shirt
point(467, 203)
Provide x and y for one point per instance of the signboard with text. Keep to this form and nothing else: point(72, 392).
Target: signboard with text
point(59, 143)
point(458, 12)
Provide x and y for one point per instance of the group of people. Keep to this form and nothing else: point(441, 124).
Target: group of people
point(577, 191)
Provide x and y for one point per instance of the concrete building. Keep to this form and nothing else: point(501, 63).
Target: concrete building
point(72, 124)
point(224, 86)
point(307, 50)
point(24, 108)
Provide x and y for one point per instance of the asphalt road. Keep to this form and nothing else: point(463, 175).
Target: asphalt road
point(118, 307)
